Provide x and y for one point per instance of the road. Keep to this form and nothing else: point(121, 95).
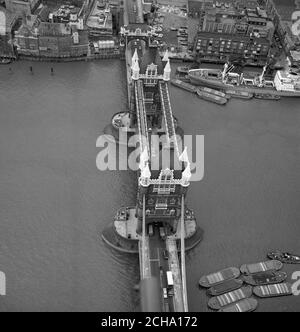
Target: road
point(159, 265)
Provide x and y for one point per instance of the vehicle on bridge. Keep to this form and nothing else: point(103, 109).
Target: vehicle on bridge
point(150, 230)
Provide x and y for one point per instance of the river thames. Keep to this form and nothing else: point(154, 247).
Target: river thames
point(54, 202)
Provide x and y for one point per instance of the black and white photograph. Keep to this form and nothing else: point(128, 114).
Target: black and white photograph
point(149, 158)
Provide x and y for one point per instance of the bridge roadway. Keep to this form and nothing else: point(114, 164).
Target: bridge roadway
point(141, 116)
point(133, 12)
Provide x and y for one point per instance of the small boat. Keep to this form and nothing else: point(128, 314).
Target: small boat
point(183, 78)
point(221, 301)
point(239, 94)
point(210, 97)
point(284, 257)
point(246, 305)
point(266, 96)
point(183, 70)
point(183, 85)
point(219, 277)
point(225, 287)
point(261, 267)
point(265, 278)
point(276, 290)
point(214, 92)
point(5, 61)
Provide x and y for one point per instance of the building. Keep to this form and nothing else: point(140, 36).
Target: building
point(286, 19)
point(232, 29)
point(8, 23)
point(99, 22)
point(21, 7)
point(41, 36)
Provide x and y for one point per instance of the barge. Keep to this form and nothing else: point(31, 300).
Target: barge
point(184, 85)
point(211, 97)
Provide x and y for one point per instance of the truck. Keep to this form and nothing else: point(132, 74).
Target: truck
point(170, 280)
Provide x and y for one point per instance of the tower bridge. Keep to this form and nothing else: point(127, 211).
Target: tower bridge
point(160, 225)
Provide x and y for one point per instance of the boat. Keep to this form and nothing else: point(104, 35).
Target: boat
point(286, 83)
point(210, 97)
point(276, 290)
point(246, 305)
point(183, 70)
point(265, 278)
point(284, 257)
point(183, 78)
point(221, 301)
point(219, 277)
point(183, 85)
point(225, 287)
point(240, 94)
point(5, 61)
point(261, 267)
point(214, 92)
point(266, 96)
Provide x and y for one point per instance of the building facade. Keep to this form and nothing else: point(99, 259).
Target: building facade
point(232, 29)
point(43, 38)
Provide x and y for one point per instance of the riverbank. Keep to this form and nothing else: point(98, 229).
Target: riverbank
point(116, 55)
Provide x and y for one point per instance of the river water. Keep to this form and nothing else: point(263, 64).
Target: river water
point(54, 203)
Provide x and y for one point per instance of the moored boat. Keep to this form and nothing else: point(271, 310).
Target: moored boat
point(266, 96)
point(261, 267)
point(210, 97)
point(221, 301)
point(183, 85)
point(283, 257)
point(5, 61)
point(286, 83)
point(239, 94)
point(265, 278)
point(219, 277)
point(213, 92)
point(183, 70)
point(225, 287)
point(183, 78)
point(246, 305)
point(275, 290)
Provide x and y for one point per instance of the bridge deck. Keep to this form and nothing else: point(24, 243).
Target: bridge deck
point(168, 115)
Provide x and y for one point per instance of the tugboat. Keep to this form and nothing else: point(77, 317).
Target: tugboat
point(284, 257)
point(261, 267)
point(221, 301)
point(219, 277)
point(225, 287)
point(265, 278)
point(247, 305)
point(276, 290)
